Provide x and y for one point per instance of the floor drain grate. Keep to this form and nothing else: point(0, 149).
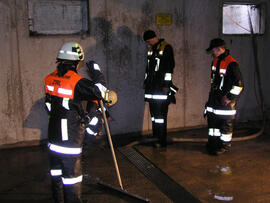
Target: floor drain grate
point(167, 185)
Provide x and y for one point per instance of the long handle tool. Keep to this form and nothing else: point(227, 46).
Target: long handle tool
point(115, 161)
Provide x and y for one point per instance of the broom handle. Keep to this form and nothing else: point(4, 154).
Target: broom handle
point(111, 144)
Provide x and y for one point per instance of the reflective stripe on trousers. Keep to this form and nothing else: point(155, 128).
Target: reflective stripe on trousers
point(66, 181)
point(72, 181)
point(157, 120)
point(221, 112)
point(216, 132)
point(64, 150)
point(56, 172)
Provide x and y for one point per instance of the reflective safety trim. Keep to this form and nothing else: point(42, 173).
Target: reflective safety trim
point(214, 132)
point(64, 150)
point(149, 53)
point(90, 132)
point(50, 88)
point(148, 96)
point(157, 64)
point(72, 181)
point(64, 91)
point(156, 96)
point(48, 105)
point(69, 52)
point(64, 129)
point(168, 77)
point(171, 88)
point(96, 66)
point(223, 198)
point(159, 120)
point(236, 90)
point(101, 88)
point(222, 71)
point(162, 97)
point(101, 109)
point(145, 75)
point(56, 172)
point(160, 52)
point(65, 103)
point(94, 121)
point(222, 82)
point(226, 137)
point(221, 112)
point(214, 68)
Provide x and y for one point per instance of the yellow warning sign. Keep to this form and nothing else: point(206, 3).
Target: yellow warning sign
point(164, 19)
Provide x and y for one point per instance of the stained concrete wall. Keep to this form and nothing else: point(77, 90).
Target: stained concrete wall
point(115, 43)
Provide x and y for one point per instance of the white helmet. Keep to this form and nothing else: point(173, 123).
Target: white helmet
point(71, 51)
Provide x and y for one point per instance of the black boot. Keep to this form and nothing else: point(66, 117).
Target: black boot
point(57, 189)
point(210, 149)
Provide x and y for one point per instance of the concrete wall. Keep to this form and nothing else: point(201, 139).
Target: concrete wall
point(115, 43)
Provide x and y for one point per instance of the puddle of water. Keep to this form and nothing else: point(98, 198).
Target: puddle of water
point(226, 170)
point(220, 196)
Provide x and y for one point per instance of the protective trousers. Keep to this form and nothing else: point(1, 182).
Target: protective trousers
point(219, 133)
point(159, 112)
point(66, 176)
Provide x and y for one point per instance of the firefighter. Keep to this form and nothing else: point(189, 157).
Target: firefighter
point(93, 111)
point(65, 90)
point(159, 89)
point(226, 87)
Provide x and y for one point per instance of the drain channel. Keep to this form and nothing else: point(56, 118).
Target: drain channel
point(166, 184)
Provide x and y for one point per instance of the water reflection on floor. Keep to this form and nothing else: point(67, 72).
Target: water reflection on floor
point(242, 175)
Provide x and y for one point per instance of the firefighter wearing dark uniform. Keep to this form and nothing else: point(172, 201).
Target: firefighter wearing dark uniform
point(159, 90)
point(226, 87)
point(65, 91)
point(93, 111)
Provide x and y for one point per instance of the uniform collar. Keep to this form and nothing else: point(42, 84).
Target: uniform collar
point(224, 55)
point(156, 45)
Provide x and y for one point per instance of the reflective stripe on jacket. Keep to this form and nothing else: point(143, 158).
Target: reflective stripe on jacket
point(223, 64)
point(226, 84)
point(62, 86)
point(65, 132)
point(159, 69)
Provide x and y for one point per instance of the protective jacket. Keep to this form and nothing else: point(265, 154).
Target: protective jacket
point(64, 96)
point(159, 70)
point(226, 83)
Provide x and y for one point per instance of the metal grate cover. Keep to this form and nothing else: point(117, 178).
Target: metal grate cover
point(167, 185)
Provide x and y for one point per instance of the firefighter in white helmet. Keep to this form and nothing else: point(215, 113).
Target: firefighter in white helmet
point(65, 91)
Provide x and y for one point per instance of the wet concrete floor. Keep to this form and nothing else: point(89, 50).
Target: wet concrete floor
point(242, 175)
